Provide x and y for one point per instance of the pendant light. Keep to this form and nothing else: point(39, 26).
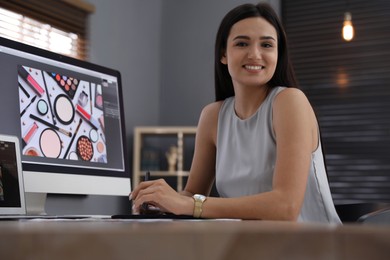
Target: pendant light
point(348, 31)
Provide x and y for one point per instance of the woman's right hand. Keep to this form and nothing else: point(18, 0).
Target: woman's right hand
point(159, 194)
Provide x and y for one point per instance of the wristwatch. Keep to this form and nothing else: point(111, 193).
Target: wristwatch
point(199, 199)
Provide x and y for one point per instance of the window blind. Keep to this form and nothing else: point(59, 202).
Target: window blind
point(49, 24)
point(348, 86)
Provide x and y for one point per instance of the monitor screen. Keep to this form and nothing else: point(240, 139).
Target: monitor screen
point(68, 115)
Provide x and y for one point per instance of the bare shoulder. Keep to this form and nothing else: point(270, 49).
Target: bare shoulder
point(208, 121)
point(211, 111)
point(213, 107)
point(292, 111)
point(291, 98)
point(291, 95)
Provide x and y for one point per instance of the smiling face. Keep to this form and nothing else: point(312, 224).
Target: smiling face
point(252, 52)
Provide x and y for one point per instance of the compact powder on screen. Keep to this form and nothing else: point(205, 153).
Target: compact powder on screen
point(50, 143)
point(84, 148)
point(42, 107)
point(64, 109)
point(100, 147)
point(31, 152)
point(73, 156)
point(93, 135)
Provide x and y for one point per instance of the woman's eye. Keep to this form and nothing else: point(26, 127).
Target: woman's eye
point(241, 44)
point(266, 45)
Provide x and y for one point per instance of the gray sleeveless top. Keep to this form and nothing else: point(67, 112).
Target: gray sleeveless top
point(246, 155)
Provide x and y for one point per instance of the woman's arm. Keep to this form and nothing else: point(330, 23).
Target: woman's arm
point(202, 172)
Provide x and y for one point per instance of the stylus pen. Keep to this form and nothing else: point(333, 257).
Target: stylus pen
point(145, 206)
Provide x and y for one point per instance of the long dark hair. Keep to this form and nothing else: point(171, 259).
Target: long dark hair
point(284, 73)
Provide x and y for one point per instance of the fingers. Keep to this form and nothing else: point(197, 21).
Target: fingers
point(143, 185)
point(161, 195)
point(147, 192)
point(145, 204)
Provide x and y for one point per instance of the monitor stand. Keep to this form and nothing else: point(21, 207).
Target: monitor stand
point(35, 203)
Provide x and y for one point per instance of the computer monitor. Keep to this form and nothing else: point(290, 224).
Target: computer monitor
point(69, 117)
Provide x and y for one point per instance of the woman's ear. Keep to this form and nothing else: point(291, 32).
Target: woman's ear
point(224, 59)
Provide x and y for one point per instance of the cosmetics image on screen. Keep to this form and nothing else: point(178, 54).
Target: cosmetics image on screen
point(50, 143)
point(48, 98)
point(29, 134)
point(63, 131)
point(100, 147)
point(102, 158)
point(92, 121)
point(67, 84)
point(32, 151)
point(90, 98)
point(24, 90)
point(73, 156)
point(83, 99)
point(74, 135)
point(93, 135)
point(103, 138)
point(30, 80)
point(42, 107)
point(84, 148)
point(25, 109)
point(99, 97)
point(64, 109)
point(101, 121)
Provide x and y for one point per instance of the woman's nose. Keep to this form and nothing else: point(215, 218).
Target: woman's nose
point(254, 52)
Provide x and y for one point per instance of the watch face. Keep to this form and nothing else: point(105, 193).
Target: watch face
point(199, 197)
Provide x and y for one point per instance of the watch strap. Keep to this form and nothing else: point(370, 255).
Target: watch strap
point(198, 207)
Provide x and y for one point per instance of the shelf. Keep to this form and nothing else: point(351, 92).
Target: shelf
point(140, 167)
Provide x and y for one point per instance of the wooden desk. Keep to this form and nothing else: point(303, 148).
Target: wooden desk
point(190, 240)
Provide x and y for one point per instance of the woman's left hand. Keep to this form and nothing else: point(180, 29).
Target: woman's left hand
point(159, 194)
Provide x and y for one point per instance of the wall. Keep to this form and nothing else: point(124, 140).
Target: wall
point(126, 35)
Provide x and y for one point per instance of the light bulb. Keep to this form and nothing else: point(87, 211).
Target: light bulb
point(348, 30)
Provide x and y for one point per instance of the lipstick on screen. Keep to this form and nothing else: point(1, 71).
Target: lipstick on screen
point(30, 80)
point(92, 121)
point(29, 134)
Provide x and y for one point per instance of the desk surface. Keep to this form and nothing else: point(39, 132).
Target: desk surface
point(109, 239)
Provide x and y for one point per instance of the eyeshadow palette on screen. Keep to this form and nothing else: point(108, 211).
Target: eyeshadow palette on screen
point(61, 116)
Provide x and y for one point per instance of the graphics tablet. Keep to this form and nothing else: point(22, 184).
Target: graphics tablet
point(151, 216)
point(12, 200)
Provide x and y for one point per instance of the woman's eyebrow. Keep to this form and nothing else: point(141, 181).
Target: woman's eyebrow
point(241, 37)
point(267, 38)
point(244, 37)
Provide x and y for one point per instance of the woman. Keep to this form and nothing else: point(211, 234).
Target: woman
point(259, 141)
